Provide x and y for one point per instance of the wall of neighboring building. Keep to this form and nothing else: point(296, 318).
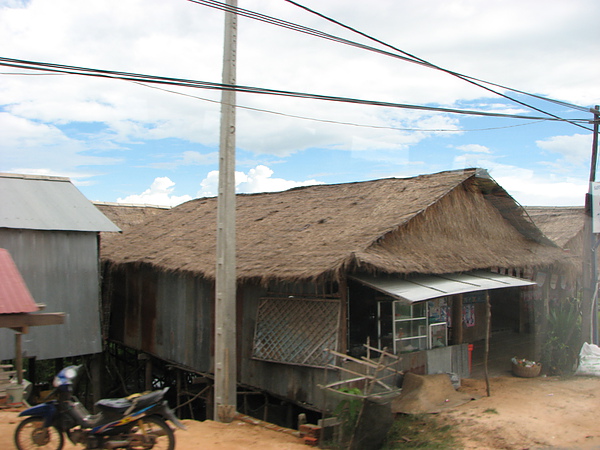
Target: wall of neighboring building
point(61, 270)
point(168, 315)
point(171, 316)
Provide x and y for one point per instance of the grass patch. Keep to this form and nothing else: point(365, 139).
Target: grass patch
point(419, 431)
point(491, 411)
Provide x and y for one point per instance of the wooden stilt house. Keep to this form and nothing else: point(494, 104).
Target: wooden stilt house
point(401, 264)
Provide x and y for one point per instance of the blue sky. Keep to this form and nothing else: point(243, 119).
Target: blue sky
point(120, 141)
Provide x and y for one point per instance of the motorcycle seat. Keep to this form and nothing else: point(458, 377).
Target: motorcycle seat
point(148, 399)
point(119, 405)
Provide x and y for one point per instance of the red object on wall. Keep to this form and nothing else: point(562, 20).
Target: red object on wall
point(15, 297)
point(470, 357)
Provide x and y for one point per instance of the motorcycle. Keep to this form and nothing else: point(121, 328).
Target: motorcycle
point(134, 422)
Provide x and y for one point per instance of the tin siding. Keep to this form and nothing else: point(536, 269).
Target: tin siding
point(164, 314)
point(61, 270)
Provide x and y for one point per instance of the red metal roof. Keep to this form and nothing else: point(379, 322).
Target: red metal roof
point(14, 295)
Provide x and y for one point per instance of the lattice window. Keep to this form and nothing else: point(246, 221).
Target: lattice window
point(296, 330)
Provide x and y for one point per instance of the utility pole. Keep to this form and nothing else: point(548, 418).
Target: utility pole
point(590, 245)
point(225, 294)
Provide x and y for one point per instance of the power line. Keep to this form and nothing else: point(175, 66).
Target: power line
point(313, 119)
point(337, 122)
point(74, 70)
point(415, 59)
point(407, 56)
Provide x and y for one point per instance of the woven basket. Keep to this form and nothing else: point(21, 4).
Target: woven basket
point(526, 372)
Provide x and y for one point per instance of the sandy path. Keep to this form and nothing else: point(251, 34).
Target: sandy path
point(525, 413)
point(521, 413)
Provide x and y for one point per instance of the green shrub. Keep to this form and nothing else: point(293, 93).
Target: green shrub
point(563, 338)
point(420, 431)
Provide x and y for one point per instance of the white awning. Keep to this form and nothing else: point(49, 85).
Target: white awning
point(417, 288)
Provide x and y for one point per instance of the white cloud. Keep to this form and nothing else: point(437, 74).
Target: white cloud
point(185, 40)
point(531, 188)
point(474, 148)
point(576, 149)
point(159, 193)
point(48, 150)
point(518, 44)
point(256, 180)
point(188, 158)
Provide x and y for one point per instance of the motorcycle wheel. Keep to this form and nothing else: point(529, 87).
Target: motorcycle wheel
point(32, 434)
point(151, 433)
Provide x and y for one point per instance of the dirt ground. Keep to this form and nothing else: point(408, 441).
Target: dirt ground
point(522, 413)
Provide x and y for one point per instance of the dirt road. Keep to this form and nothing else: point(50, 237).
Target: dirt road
point(546, 412)
point(521, 413)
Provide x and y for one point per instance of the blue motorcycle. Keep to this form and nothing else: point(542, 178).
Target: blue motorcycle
point(135, 422)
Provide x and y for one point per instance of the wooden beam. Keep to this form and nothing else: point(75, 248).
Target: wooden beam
point(19, 357)
point(488, 322)
point(457, 319)
point(30, 320)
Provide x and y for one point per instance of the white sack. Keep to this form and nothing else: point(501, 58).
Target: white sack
point(589, 360)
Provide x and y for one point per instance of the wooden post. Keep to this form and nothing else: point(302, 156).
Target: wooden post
point(31, 372)
point(488, 320)
point(19, 357)
point(96, 374)
point(457, 322)
point(177, 401)
point(225, 359)
point(343, 326)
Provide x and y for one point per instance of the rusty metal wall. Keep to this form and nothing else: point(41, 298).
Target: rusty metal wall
point(171, 315)
point(61, 270)
point(168, 315)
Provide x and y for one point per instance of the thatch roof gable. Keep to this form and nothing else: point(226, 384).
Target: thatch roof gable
point(297, 234)
point(460, 232)
point(126, 216)
point(562, 224)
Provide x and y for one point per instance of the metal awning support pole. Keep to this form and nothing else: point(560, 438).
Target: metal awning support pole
point(225, 295)
point(488, 328)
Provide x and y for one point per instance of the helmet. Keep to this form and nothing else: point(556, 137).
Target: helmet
point(66, 377)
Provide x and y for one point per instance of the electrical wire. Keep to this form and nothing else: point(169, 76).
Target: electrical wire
point(407, 56)
point(337, 122)
point(74, 70)
point(415, 59)
point(295, 116)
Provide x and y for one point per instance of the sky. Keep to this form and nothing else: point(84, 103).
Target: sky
point(119, 141)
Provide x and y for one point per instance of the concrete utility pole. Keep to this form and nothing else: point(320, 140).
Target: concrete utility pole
point(225, 295)
point(590, 271)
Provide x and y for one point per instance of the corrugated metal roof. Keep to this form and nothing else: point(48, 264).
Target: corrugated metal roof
point(47, 203)
point(425, 287)
point(15, 298)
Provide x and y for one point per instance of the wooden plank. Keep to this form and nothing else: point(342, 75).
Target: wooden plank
point(348, 357)
point(383, 352)
point(351, 380)
point(30, 320)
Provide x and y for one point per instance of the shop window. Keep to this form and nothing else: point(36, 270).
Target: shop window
point(408, 327)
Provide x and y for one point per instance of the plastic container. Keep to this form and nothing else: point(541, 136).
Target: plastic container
point(14, 394)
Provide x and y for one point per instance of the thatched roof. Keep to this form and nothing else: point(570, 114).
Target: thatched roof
point(126, 216)
point(446, 222)
point(562, 224)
